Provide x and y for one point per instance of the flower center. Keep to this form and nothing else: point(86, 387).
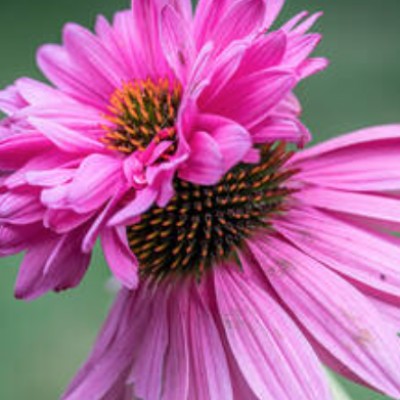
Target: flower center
point(142, 112)
point(205, 225)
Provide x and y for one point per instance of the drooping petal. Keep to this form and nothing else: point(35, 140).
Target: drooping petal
point(209, 374)
point(119, 256)
point(52, 263)
point(265, 342)
point(390, 312)
point(369, 137)
point(147, 373)
point(337, 315)
point(111, 355)
point(356, 162)
point(177, 361)
point(374, 206)
point(14, 239)
point(337, 244)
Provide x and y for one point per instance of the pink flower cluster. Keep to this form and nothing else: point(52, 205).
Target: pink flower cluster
point(63, 187)
point(244, 265)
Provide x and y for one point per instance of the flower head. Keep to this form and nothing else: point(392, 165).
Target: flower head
point(142, 114)
point(315, 281)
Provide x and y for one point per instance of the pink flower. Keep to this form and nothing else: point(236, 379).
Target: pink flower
point(157, 95)
point(305, 274)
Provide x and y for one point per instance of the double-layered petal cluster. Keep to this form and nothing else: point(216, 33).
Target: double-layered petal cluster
point(156, 95)
point(322, 285)
point(244, 265)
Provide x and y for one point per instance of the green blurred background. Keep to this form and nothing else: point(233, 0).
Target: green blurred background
point(42, 343)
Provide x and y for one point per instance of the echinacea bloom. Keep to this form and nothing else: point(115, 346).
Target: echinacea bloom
point(156, 96)
point(292, 264)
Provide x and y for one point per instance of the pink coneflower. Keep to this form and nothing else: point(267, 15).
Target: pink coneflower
point(252, 283)
point(158, 100)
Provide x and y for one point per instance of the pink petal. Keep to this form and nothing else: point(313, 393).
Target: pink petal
point(365, 205)
point(334, 312)
point(64, 221)
point(119, 256)
point(37, 93)
point(249, 100)
point(280, 129)
point(49, 178)
point(362, 166)
point(99, 223)
point(56, 197)
point(234, 143)
point(143, 200)
point(66, 139)
point(363, 136)
point(305, 25)
point(177, 42)
point(265, 342)
point(273, 7)
point(20, 208)
point(177, 363)
point(127, 43)
point(206, 164)
point(312, 66)
point(53, 263)
point(224, 67)
point(209, 374)
point(16, 150)
point(265, 52)
point(10, 100)
point(146, 20)
point(57, 65)
point(148, 372)
point(111, 355)
point(233, 140)
point(15, 239)
point(337, 245)
point(390, 312)
point(77, 117)
point(88, 53)
point(228, 21)
point(97, 179)
point(300, 47)
point(289, 25)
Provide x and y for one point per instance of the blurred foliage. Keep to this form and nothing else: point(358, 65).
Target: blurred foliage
point(43, 342)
